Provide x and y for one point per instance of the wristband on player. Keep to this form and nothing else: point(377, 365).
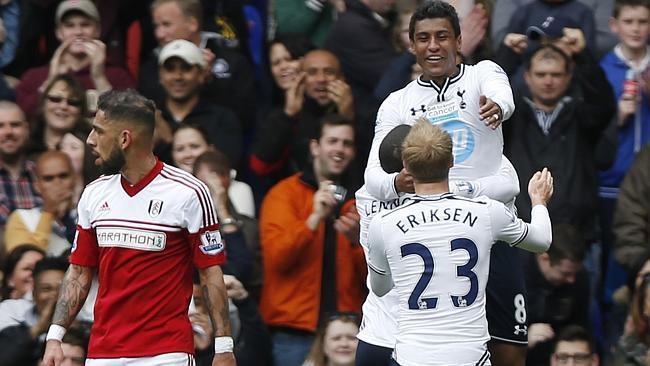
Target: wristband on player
point(56, 333)
point(223, 344)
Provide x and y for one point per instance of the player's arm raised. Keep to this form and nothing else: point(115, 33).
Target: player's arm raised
point(540, 190)
point(496, 103)
point(536, 236)
point(216, 299)
point(72, 296)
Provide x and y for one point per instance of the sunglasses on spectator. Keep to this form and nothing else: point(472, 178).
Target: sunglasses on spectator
point(578, 358)
point(57, 99)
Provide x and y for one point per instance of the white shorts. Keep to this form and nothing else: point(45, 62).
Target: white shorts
point(166, 359)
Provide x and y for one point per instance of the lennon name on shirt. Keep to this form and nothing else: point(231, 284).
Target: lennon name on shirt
point(436, 215)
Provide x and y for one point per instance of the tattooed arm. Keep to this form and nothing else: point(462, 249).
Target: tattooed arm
point(216, 300)
point(72, 296)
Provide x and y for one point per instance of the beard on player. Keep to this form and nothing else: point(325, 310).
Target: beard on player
point(114, 163)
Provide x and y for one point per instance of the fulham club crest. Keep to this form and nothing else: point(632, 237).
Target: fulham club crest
point(155, 206)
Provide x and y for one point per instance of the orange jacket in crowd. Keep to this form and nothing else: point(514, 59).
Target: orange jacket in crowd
point(293, 259)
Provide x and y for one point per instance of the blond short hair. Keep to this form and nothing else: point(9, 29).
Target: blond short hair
point(427, 152)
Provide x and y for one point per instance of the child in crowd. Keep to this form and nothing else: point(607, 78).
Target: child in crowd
point(626, 68)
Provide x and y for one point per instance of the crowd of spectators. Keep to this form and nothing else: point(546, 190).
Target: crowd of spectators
point(272, 104)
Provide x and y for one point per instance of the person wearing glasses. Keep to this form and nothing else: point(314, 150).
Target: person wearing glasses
point(62, 108)
point(574, 346)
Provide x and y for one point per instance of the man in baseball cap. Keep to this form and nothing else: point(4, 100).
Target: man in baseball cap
point(185, 50)
point(182, 71)
point(81, 53)
point(85, 7)
point(551, 28)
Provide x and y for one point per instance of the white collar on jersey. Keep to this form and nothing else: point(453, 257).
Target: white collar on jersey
point(448, 81)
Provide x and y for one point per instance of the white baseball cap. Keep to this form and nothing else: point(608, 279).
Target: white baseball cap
point(186, 50)
point(83, 6)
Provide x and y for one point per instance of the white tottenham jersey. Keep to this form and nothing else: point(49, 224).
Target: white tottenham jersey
point(436, 251)
point(455, 108)
point(379, 325)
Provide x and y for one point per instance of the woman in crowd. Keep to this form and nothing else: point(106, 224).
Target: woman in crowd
point(285, 61)
point(336, 342)
point(285, 58)
point(61, 109)
point(17, 281)
point(188, 142)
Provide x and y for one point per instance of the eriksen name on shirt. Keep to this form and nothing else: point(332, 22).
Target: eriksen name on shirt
point(435, 215)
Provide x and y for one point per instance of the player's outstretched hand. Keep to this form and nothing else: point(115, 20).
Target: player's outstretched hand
point(540, 187)
point(404, 182)
point(490, 112)
point(224, 359)
point(53, 354)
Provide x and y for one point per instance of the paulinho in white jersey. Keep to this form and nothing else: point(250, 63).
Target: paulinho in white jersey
point(435, 251)
point(455, 108)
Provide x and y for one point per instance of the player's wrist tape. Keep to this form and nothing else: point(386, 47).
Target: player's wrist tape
point(56, 332)
point(223, 344)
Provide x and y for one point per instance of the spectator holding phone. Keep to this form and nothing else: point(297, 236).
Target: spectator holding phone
point(313, 265)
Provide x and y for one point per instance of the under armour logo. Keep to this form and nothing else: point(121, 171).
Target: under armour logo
point(463, 105)
point(422, 109)
point(521, 329)
point(548, 22)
